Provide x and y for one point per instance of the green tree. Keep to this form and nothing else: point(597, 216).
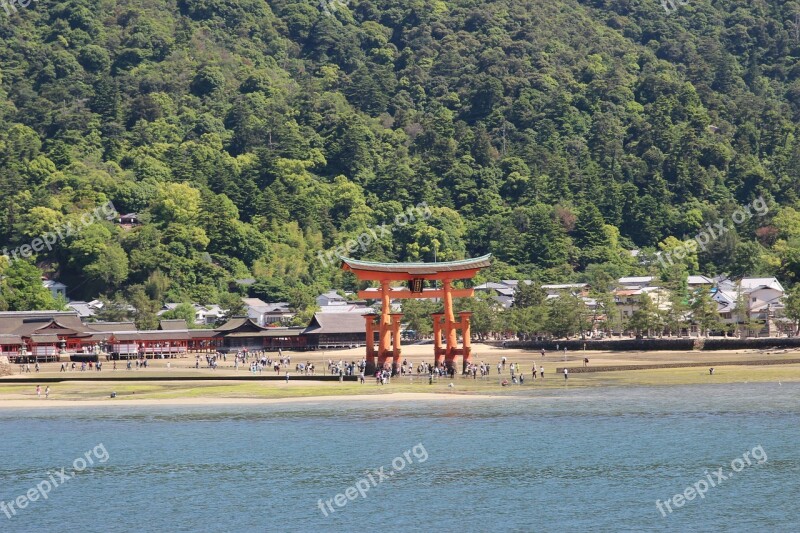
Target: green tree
point(207, 80)
point(793, 307)
point(115, 309)
point(485, 310)
point(417, 315)
point(146, 316)
point(156, 286)
point(22, 289)
point(676, 317)
point(676, 257)
point(97, 258)
point(232, 304)
point(184, 311)
point(529, 295)
point(177, 202)
point(646, 319)
point(528, 322)
point(606, 308)
point(704, 312)
point(564, 316)
point(591, 237)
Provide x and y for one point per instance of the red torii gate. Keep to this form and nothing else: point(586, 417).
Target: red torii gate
point(415, 274)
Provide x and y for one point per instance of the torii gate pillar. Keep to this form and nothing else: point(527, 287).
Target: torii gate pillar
point(370, 360)
point(466, 334)
point(438, 352)
point(396, 318)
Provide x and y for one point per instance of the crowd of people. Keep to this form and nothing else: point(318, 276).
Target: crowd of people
point(25, 368)
point(257, 361)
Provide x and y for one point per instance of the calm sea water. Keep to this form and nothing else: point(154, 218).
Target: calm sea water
point(574, 460)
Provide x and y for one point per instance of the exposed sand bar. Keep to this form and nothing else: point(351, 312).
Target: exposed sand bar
point(622, 368)
point(177, 382)
point(391, 397)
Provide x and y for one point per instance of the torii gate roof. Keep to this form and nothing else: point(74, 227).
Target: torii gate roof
point(368, 270)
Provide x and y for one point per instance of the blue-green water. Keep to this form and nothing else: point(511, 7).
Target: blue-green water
point(576, 460)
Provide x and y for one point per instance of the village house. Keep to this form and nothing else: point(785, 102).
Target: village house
point(85, 310)
point(333, 302)
point(763, 302)
point(504, 291)
point(204, 315)
point(264, 313)
point(576, 289)
point(56, 288)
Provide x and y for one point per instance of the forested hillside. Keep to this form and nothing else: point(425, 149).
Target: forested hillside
point(249, 136)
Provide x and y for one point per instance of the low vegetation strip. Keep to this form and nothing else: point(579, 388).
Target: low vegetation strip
point(618, 368)
point(643, 345)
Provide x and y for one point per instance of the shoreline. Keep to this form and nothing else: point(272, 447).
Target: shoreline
point(210, 400)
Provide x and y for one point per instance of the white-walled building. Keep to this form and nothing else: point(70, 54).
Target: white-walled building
point(635, 282)
point(762, 297)
point(263, 313)
point(333, 302)
point(56, 288)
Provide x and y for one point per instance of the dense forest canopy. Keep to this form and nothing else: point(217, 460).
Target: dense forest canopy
point(558, 135)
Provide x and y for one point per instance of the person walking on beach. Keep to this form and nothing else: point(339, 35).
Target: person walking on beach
point(585, 362)
point(47, 392)
point(287, 376)
point(534, 372)
point(542, 352)
point(541, 372)
point(498, 369)
point(566, 374)
point(38, 391)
